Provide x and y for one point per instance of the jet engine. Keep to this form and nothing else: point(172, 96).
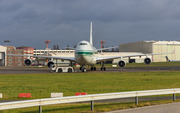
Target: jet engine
point(28, 62)
point(50, 63)
point(121, 63)
point(147, 61)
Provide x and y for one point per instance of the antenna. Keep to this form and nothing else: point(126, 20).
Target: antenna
point(102, 42)
point(47, 42)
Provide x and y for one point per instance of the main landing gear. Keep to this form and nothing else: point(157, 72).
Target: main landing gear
point(103, 66)
point(93, 68)
point(83, 68)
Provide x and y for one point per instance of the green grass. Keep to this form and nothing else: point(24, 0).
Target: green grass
point(41, 86)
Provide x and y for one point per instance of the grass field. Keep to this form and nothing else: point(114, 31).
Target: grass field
point(42, 85)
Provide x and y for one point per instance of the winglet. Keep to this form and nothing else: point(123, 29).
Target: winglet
point(167, 59)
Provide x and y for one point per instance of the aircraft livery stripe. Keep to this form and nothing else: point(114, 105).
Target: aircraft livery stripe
point(84, 53)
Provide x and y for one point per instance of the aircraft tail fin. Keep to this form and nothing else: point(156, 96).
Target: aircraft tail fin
point(91, 40)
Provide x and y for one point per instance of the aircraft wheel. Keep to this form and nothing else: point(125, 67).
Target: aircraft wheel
point(104, 68)
point(83, 69)
point(101, 68)
point(59, 70)
point(69, 70)
point(94, 68)
point(91, 68)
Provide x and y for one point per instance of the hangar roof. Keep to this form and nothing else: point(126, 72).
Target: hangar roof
point(163, 42)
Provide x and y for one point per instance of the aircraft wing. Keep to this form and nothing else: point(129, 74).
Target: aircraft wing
point(115, 57)
point(56, 57)
point(168, 60)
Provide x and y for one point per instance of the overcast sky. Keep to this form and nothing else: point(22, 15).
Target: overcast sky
point(66, 22)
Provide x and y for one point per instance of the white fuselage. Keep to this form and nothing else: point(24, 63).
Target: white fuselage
point(85, 53)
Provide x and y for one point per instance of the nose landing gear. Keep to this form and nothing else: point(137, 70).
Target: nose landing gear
point(83, 69)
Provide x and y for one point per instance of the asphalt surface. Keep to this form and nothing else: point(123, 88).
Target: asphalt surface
point(27, 70)
point(165, 108)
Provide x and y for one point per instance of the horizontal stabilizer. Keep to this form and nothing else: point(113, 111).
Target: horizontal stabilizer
point(70, 48)
point(107, 48)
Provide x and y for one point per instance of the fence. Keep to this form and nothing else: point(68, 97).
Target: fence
point(71, 99)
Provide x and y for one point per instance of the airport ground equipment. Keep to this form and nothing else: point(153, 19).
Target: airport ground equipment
point(85, 98)
point(61, 69)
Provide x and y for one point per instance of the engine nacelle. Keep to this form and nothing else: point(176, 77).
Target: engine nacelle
point(147, 61)
point(121, 63)
point(50, 63)
point(28, 62)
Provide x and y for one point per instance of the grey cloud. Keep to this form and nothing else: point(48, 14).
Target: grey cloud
point(11, 7)
point(67, 22)
point(28, 14)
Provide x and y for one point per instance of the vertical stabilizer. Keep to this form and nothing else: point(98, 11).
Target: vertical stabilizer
point(91, 40)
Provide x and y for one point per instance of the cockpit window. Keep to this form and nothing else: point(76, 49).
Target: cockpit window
point(83, 44)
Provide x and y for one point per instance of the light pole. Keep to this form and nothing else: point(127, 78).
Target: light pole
point(47, 42)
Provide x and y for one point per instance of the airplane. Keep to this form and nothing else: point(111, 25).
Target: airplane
point(87, 54)
point(168, 60)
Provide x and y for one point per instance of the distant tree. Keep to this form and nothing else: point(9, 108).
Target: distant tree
point(106, 47)
point(112, 49)
point(57, 48)
point(103, 47)
point(67, 47)
point(74, 46)
point(117, 49)
point(54, 47)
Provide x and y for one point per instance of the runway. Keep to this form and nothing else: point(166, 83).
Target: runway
point(27, 70)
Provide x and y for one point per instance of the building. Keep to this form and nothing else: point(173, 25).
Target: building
point(18, 60)
point(2, 55)
point(26, 50)
point(14, 60)
point(154, 47)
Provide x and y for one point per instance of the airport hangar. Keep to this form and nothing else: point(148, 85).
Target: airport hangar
point(124, 49)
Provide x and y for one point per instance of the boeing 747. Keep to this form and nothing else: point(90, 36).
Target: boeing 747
point(87, 54)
